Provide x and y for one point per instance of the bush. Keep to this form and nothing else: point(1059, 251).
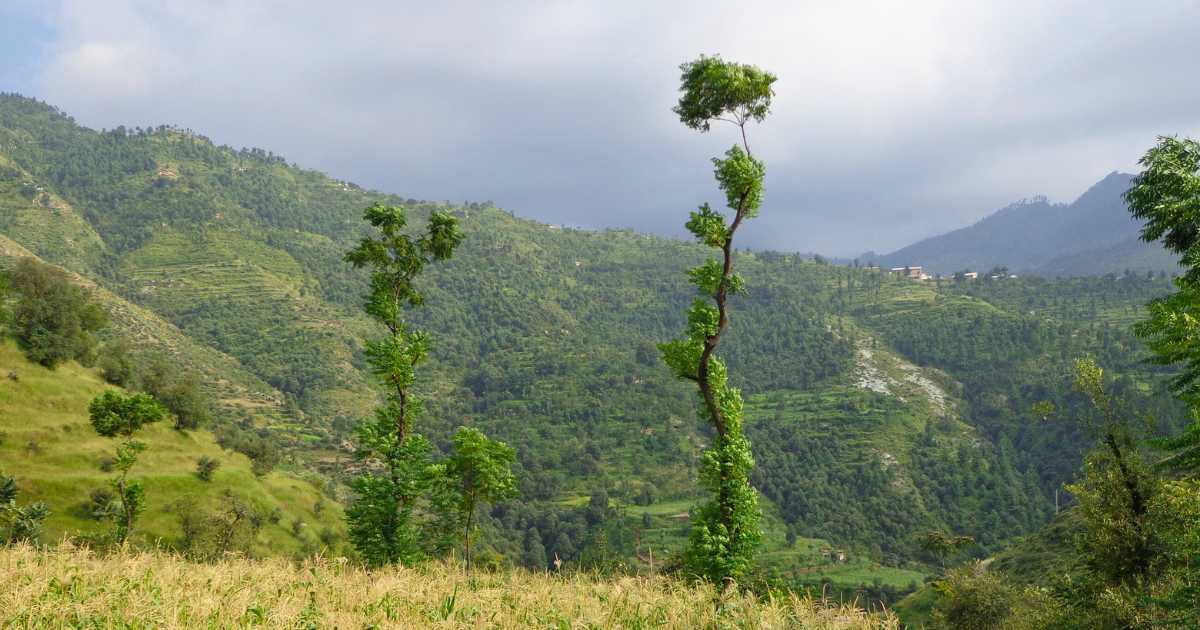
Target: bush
point(205, 467)
point(99, 503)
point(973, 598)
point(116, 364)
point(210, 534)
point(263, 454)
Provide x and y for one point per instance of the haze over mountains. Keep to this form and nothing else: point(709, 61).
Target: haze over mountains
point(1093, 235)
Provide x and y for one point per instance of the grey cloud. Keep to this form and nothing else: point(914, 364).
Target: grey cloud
point(893, 121)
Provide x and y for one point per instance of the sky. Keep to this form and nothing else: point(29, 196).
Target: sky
point(892, 121)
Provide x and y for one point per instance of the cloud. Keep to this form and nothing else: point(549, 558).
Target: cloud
point(893, 121)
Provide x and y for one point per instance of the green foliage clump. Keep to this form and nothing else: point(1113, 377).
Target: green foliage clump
point(54, 319)
point(206, 467)
point(113, 413)
point(725, 531)
point(1166, 195)
point(972, 597)
point(714, 89)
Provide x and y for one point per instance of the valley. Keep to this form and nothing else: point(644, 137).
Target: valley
point(879, 408)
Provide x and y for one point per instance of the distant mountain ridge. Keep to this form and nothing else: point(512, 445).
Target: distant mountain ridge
point(1092, 235)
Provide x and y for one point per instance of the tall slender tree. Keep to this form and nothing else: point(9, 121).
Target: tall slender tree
point(725, 531)
point(380, 518)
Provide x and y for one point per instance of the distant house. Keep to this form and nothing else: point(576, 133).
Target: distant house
point(971, 275)
point(910, 272)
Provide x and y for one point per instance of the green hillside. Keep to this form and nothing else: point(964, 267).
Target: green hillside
point(879, 408)
point(50, 448)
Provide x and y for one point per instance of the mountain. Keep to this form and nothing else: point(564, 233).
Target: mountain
point(1094, 235)
point(879, 408)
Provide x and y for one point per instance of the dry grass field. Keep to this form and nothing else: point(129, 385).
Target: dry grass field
point(70, 587)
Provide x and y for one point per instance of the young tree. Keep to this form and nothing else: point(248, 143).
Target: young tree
point(381, 516)
point(478, 471)
point(725, 531)
point(1117, 489)
point(113, 414)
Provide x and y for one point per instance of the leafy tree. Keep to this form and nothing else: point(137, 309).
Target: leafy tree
point(54, 319)
point(1116, 493)
point(725, 531)
point(113, 414)
point(18, 523)
point(943, 545)
point(1130, 544)
point(116, 363)
point(381, 515)
point(1166, 195)
point(479, 470)
point(177, 390)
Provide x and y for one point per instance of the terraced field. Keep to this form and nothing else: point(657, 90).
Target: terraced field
point(239, 391)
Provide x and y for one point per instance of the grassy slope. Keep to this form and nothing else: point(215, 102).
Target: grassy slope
point(161, 591)
point(51, 449)
point(235, 389)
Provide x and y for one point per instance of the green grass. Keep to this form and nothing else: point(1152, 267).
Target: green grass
point(50, 448)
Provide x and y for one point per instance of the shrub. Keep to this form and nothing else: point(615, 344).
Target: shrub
point(205, 467)
point(100, 502)
point(115, 363)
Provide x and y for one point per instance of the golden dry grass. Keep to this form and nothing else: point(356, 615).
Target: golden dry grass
point(70, 587)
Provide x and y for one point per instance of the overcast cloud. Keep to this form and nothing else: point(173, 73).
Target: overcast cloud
point(893, 120)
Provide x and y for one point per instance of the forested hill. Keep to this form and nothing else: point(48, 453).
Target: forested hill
point(879, 408)
point(1091, 236)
